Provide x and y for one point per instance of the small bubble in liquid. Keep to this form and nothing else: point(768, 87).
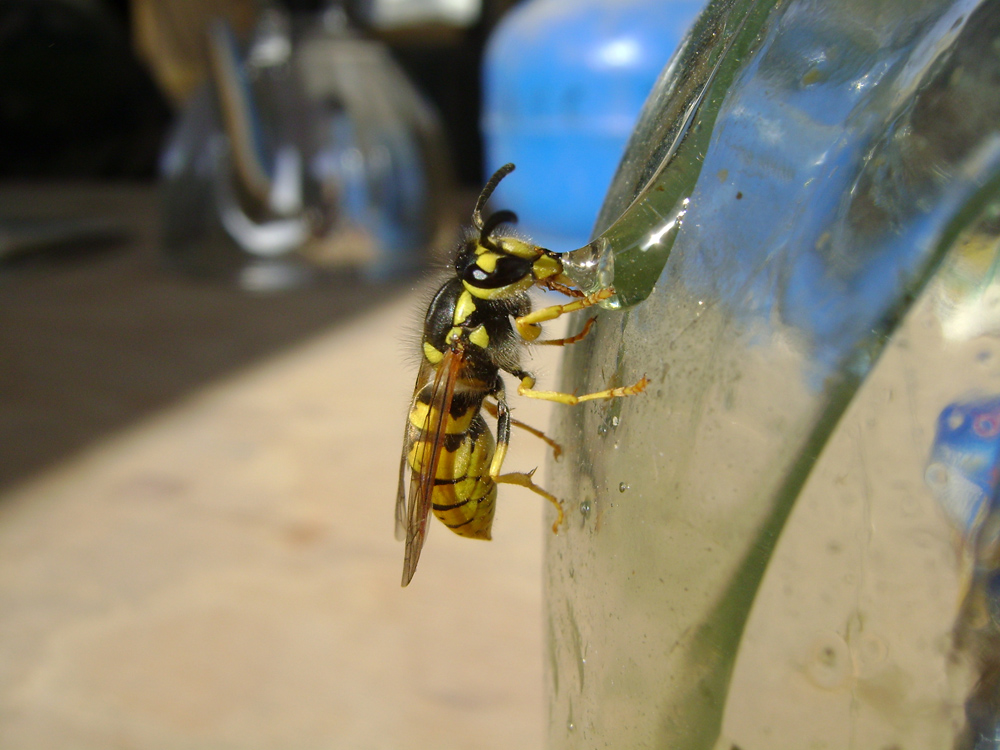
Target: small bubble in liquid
point(585, 508)
point(622, 487)
point(614, 421)
point(570, 726)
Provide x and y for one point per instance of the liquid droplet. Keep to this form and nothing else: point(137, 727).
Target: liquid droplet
point(622, 487)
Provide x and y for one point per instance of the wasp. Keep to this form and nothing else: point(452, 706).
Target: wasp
point(451, 455)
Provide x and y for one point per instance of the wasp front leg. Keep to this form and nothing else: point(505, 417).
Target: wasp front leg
point(558, 286)
point(569, 339)
point(529, 325)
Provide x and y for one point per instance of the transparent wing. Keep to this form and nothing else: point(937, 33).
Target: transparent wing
point(410, 435)
point(431, 437)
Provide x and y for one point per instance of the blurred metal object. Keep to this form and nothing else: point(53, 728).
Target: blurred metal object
point(395, 14)
point(310, 152)
point(170, 36)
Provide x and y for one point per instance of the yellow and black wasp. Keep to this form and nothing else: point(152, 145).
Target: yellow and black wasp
point(468, 339)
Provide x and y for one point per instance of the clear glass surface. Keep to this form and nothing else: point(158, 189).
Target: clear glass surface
point(776, 546)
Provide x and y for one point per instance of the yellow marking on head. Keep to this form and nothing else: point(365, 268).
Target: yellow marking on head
point(479, 337)
point(520, 248)
point(431, 354)
point(546, 266)
point(500, 292)
point(488, 261)
point(465, 306)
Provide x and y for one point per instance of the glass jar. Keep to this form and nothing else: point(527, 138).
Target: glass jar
point(788, 541)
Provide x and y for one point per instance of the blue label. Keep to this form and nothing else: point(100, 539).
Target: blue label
point(964, 468)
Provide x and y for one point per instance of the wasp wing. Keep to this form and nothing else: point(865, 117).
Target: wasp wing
point(410, 435)
point(431, 442)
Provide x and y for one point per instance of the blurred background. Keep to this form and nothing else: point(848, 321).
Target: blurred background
point(216, 220)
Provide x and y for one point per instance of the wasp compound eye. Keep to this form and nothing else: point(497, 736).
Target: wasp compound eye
point(506, 271)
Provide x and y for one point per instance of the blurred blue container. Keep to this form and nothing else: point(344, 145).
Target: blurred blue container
point(964, 470)
point(563, 84)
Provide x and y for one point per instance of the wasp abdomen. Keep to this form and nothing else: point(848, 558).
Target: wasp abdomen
point(464, 495)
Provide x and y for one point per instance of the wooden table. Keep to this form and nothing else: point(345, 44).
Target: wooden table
point(196, 545)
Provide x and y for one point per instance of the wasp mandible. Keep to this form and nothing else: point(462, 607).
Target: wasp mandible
point(468, 340)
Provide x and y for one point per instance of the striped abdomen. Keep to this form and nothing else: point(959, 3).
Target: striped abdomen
point(464, 496)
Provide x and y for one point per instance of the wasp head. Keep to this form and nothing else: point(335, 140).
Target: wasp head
point(493, 265)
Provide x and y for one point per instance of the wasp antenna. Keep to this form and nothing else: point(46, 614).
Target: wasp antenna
point(495, 220)
point(477, 214)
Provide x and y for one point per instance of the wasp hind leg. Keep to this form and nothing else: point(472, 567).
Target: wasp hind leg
point(556, 448)
point(503, 440)
point(523, 479)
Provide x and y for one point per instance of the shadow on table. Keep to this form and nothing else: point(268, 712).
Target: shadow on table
point(98, 335)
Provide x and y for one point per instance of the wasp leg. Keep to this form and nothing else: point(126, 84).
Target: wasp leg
point(526, 388)
point(556, 286)
point(524, 480)
point(556, 448)
point(503, 428)
point(528, 325)
point(569, 339)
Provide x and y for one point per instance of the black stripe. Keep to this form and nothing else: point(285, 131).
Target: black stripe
point(439, 481)
point(462, 402)
point(460, 525)
point(452, 507)
point(453, 441)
